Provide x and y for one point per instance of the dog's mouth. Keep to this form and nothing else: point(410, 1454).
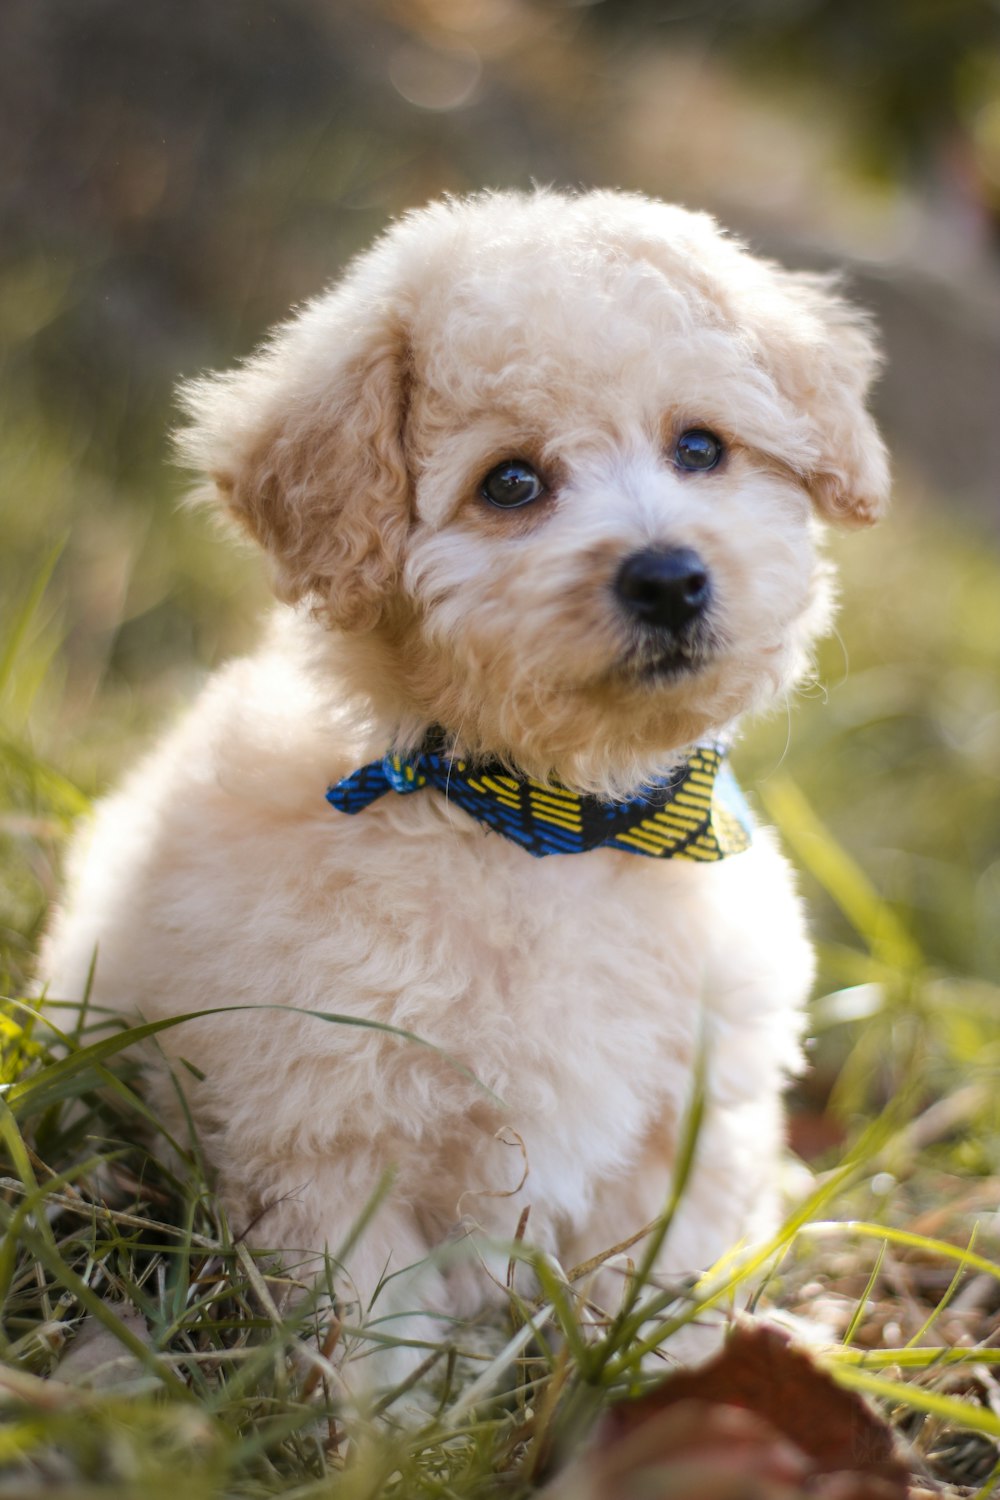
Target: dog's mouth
point(652, 662)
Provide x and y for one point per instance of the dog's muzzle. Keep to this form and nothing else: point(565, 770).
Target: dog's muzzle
point(666, 595)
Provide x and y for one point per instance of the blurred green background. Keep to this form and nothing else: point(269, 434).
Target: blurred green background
point(176, 173)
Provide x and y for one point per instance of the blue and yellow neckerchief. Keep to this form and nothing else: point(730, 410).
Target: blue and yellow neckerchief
point(696, 811)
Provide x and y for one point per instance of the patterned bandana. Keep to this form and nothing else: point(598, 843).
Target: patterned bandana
point(697, 811)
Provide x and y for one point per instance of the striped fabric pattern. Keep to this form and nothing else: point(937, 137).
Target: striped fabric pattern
point(696, 812)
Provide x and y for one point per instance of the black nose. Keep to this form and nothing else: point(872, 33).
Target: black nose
point(664, 586)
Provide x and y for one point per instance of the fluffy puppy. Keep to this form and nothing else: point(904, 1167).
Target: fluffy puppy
point(538, 476)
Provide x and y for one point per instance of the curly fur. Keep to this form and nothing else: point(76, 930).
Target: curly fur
point(582, 334)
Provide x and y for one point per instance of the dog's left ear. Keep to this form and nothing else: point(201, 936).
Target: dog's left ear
point(304, 447)
point(824, 357)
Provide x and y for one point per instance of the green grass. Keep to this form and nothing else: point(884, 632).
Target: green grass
point(886, 796)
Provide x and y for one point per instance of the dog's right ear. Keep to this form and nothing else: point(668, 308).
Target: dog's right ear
point(304, 445)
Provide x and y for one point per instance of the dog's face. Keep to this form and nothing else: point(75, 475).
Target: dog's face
point(551, 465)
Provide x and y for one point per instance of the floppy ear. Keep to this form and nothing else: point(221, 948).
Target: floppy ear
point(825, 359)
point(304, 446)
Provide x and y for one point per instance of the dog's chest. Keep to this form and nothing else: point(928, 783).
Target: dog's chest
point(540, 973)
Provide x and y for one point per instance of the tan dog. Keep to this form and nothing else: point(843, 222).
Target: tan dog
point(540, 471)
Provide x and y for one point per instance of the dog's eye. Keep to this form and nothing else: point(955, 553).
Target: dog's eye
point(698, 449)
point(511, 483)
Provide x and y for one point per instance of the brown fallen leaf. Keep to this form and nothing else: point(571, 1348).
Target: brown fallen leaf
point(759, 1370)
point(693, 1451)
point(759, 1422)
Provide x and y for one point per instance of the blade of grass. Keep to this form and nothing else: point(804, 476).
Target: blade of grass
point(862, 1307)
point(23, 619)
point(95, 1052)
point(967, 1258)
point(486, 1382)
point(64, 798)
point(949, 1294)
point(556, 1288)
point(842, 879)
point(949, 1408)
point(914, 1359)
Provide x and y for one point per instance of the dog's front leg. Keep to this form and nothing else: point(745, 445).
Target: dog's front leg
point(362, 1259)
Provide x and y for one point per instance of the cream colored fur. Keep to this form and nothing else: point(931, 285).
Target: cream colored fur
point(582, 334)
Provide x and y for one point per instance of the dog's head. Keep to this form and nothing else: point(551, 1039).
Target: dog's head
point(551, 463)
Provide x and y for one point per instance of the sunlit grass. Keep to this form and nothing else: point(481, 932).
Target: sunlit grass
point(240, 1392)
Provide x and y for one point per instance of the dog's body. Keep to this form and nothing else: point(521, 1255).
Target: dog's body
point(587, 339)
